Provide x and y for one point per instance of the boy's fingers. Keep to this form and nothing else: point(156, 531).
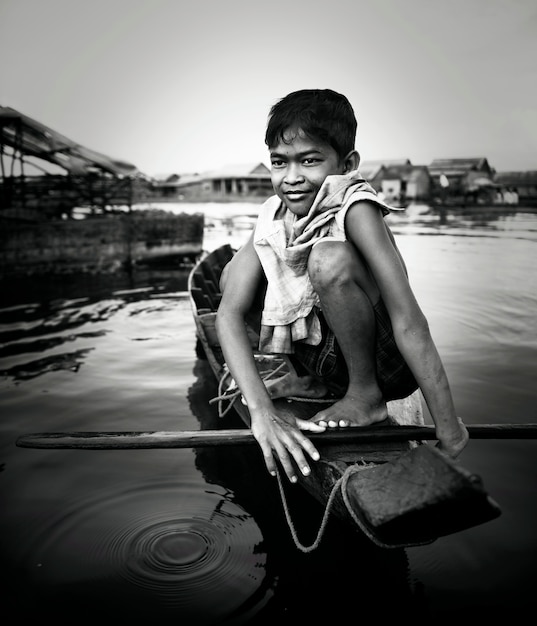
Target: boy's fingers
point(311, 450)
point(269, 459)
point(292, 457)
point(298, 450)
point(291, 451)
point(286, 464)
point(305, 443)
point(310, 425)
point(285, 461)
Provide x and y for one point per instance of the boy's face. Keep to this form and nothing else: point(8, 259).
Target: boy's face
point(298, 169)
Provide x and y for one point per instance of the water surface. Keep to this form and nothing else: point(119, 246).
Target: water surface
point(199, 535)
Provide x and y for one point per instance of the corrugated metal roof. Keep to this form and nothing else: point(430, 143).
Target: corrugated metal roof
point(527, 178)
point(236, 171)
point(372, 168)
point(458, 166)
point(370, 172)
point(31, 138)
point(386, 162)
point(241, 170)
point(398, 171)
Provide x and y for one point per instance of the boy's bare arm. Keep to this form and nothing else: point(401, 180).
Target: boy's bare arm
point(367, 230)
point(273, 433)
point(243, 276)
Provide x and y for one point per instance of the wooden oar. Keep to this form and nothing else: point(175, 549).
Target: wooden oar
point(202, 438)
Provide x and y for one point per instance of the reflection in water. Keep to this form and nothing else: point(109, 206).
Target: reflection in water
point(42, 345)
point(51, 291)
point(46, 326)
point(66, 361)
point(161, 545)
point(479, 221)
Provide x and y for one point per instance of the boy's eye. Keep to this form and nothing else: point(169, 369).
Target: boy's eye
point(277, 163)
point(311, 161)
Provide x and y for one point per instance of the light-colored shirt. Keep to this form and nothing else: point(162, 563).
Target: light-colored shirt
point(283, 243)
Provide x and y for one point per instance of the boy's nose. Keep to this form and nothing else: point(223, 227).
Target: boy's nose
point(293, 174)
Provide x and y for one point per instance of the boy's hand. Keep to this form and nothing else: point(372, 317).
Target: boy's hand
point(276, 435)
point(453, 442)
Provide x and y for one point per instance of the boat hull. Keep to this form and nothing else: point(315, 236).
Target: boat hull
point(399, 493)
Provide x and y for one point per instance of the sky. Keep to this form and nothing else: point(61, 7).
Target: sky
point(177, 86)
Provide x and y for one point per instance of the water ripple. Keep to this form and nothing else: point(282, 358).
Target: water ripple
point(195, 553)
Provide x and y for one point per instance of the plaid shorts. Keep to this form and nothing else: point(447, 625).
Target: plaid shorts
point(326, 360)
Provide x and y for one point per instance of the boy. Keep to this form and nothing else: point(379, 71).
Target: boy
point(337, 297)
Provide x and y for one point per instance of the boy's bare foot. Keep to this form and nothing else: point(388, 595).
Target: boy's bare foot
point(352, 410)
point(293, 385)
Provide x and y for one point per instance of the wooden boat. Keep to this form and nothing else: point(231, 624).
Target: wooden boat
point(397, 491)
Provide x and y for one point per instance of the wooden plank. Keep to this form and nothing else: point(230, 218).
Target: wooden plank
point(203, 286)
point(243, 436)
point(201, 299)
point(211, 278)
point(207, 322)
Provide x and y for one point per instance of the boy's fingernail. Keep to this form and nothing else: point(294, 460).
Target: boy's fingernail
point(273, 473)
point(306, 470)
point(315, 456)
point(293, 479)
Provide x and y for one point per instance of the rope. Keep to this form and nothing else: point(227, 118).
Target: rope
point(341, 483)
point(233, 392)
point(357, 520)
point(231, 395)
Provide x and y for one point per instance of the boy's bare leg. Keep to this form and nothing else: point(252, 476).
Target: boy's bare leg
point(346, 291)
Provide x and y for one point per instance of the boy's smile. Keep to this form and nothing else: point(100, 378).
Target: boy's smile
point(299, 166)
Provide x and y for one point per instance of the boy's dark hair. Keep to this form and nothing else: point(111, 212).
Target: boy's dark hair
point(321, 113)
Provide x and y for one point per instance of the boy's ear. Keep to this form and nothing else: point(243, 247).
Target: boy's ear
point(351, 162)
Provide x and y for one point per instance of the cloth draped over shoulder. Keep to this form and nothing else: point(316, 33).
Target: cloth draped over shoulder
point(283, 243)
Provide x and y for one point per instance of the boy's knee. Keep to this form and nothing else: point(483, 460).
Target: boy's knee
point(336, 266)
point(329, 265)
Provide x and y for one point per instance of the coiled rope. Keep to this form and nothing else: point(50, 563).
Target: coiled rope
point(232, 392)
